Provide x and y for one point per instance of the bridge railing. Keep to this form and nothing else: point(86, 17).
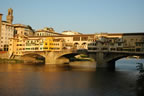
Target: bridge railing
point(74, 50)
point(124, 51)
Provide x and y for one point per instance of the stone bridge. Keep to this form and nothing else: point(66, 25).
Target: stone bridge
point(52, 57)
point(106, 59)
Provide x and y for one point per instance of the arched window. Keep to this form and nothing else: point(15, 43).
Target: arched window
point(84, 43)
point(76, 44)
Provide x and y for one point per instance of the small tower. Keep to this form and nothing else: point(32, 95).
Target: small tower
point(10, 16)
point(0, 23)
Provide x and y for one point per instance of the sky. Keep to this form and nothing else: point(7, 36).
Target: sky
point(84, 16)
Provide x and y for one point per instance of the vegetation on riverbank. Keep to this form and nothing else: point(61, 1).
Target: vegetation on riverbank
point(81, 57)
point(10, 61)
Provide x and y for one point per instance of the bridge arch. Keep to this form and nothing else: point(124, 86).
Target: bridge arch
point(33, 58)
point(107, 59)
point(68, 56)
point(111, 63)
point(54, 57)
point(112, 59)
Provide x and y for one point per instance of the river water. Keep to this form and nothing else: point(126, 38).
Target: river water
point(69, 80)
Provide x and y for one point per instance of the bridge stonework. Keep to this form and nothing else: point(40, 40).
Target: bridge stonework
point(107, 59)
point(104, 59)
point(52, 57)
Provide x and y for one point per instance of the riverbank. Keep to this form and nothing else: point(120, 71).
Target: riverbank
point(17, 61)
point(10, 61)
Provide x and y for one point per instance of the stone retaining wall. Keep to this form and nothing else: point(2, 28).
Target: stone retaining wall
point(4, 55)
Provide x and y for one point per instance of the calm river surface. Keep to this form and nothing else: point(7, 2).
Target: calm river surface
point(58, 80)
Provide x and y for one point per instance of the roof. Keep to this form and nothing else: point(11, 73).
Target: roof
point(47, 32)
point(20, 25)
point(6, 23)
point(138, 33)
point(75, 33)
point(64, 36)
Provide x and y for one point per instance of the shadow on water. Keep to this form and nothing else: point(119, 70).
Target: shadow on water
point(113, 83)
point(140, 80)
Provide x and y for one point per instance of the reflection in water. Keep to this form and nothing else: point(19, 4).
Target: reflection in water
point(140, 80)
point(65, 80)
point(32, 68)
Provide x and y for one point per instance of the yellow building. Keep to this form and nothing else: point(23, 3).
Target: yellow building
point(17, 45)
point(52, 44)
point(33, 44)
point(47, 44)
point(21, 44)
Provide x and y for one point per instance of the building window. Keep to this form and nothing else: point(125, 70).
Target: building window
point(84, 38)
point(119, 44)
point(76, 38)
point(45, 47)
point(27, 49)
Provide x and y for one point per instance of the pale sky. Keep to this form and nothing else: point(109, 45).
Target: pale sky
point(85, 16)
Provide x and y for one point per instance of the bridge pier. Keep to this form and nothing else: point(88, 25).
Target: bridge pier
point(107, 59)
point(101, 60)
point(111, 65)
point(56, 57)
point(50, 58)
